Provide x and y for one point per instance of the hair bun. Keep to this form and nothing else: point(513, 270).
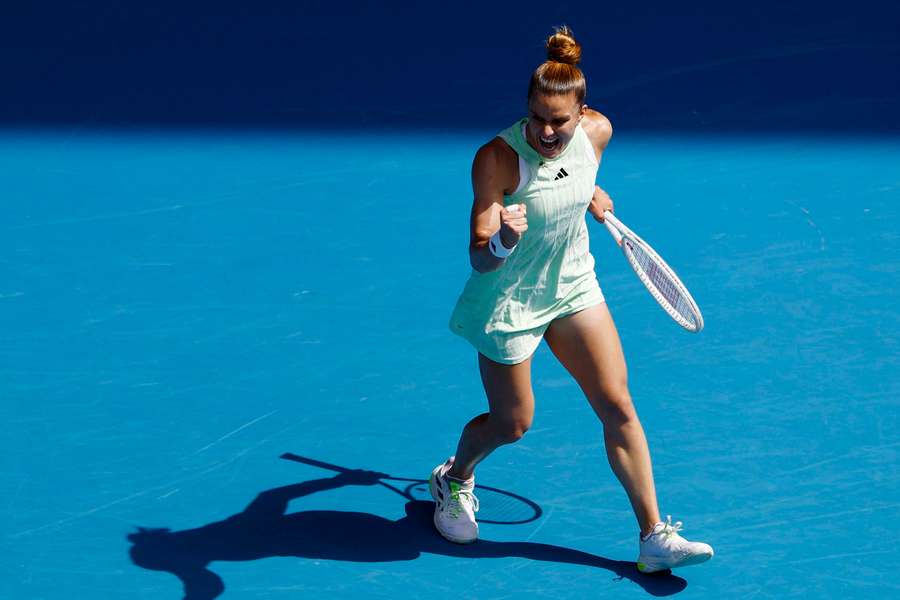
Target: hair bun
point(562, 47)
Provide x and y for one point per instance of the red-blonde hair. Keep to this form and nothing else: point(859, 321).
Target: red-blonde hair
point(560, 75)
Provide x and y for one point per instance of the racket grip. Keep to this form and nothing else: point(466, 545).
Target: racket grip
point(611, 228)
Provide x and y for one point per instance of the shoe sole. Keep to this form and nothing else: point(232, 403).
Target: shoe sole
point(432, 488)
point(653, 567)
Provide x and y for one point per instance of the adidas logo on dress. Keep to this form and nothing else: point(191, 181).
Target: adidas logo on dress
point(562, 173)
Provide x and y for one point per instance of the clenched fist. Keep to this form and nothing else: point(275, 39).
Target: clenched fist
point(513, 224)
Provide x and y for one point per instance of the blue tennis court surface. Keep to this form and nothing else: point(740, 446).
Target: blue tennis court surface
point(190, 321)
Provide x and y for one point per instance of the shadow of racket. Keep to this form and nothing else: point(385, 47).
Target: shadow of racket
point(497, 506)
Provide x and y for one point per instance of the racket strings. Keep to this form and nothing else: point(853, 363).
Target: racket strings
point(662, 283)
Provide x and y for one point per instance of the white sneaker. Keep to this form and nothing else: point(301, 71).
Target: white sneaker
point(664, 549)
point(456, 505)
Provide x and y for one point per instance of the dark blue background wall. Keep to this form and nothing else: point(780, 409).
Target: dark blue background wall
point(702, 66)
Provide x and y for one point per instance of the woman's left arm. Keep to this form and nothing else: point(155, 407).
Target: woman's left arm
point(599, 131)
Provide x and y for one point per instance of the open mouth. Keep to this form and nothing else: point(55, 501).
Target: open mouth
point(549, 143)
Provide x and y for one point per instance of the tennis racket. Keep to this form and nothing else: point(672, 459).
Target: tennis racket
point(659, 279)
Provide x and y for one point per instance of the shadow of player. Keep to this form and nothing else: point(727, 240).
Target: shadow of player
point(263, 529)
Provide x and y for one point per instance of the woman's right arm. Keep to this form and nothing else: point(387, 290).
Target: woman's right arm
point(494, 173)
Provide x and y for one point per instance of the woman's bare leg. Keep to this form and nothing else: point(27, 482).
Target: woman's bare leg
point(587, 345)
point(511, 409)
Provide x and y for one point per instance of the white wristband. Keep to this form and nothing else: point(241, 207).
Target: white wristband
point(497, 247)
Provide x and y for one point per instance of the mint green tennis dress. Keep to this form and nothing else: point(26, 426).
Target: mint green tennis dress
point(504, 313)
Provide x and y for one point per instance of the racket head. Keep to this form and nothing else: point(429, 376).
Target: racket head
point(662, 282)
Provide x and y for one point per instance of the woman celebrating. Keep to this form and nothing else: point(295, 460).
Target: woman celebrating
point(534, 278)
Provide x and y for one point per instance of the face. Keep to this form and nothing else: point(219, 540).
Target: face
point(551, 122)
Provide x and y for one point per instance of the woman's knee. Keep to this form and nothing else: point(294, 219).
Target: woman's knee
point(511, 430)
point(613, 404)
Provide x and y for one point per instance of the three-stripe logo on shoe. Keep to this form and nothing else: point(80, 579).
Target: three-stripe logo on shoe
point(562, 173)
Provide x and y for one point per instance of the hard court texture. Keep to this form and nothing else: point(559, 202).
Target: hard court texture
point(180, 311)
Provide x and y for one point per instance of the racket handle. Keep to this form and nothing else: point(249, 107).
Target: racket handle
point(608, 221)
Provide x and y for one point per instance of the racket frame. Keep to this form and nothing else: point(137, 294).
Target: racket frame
point(620, 232)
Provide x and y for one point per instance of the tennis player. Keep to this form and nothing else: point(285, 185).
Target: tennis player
point(534, 279)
